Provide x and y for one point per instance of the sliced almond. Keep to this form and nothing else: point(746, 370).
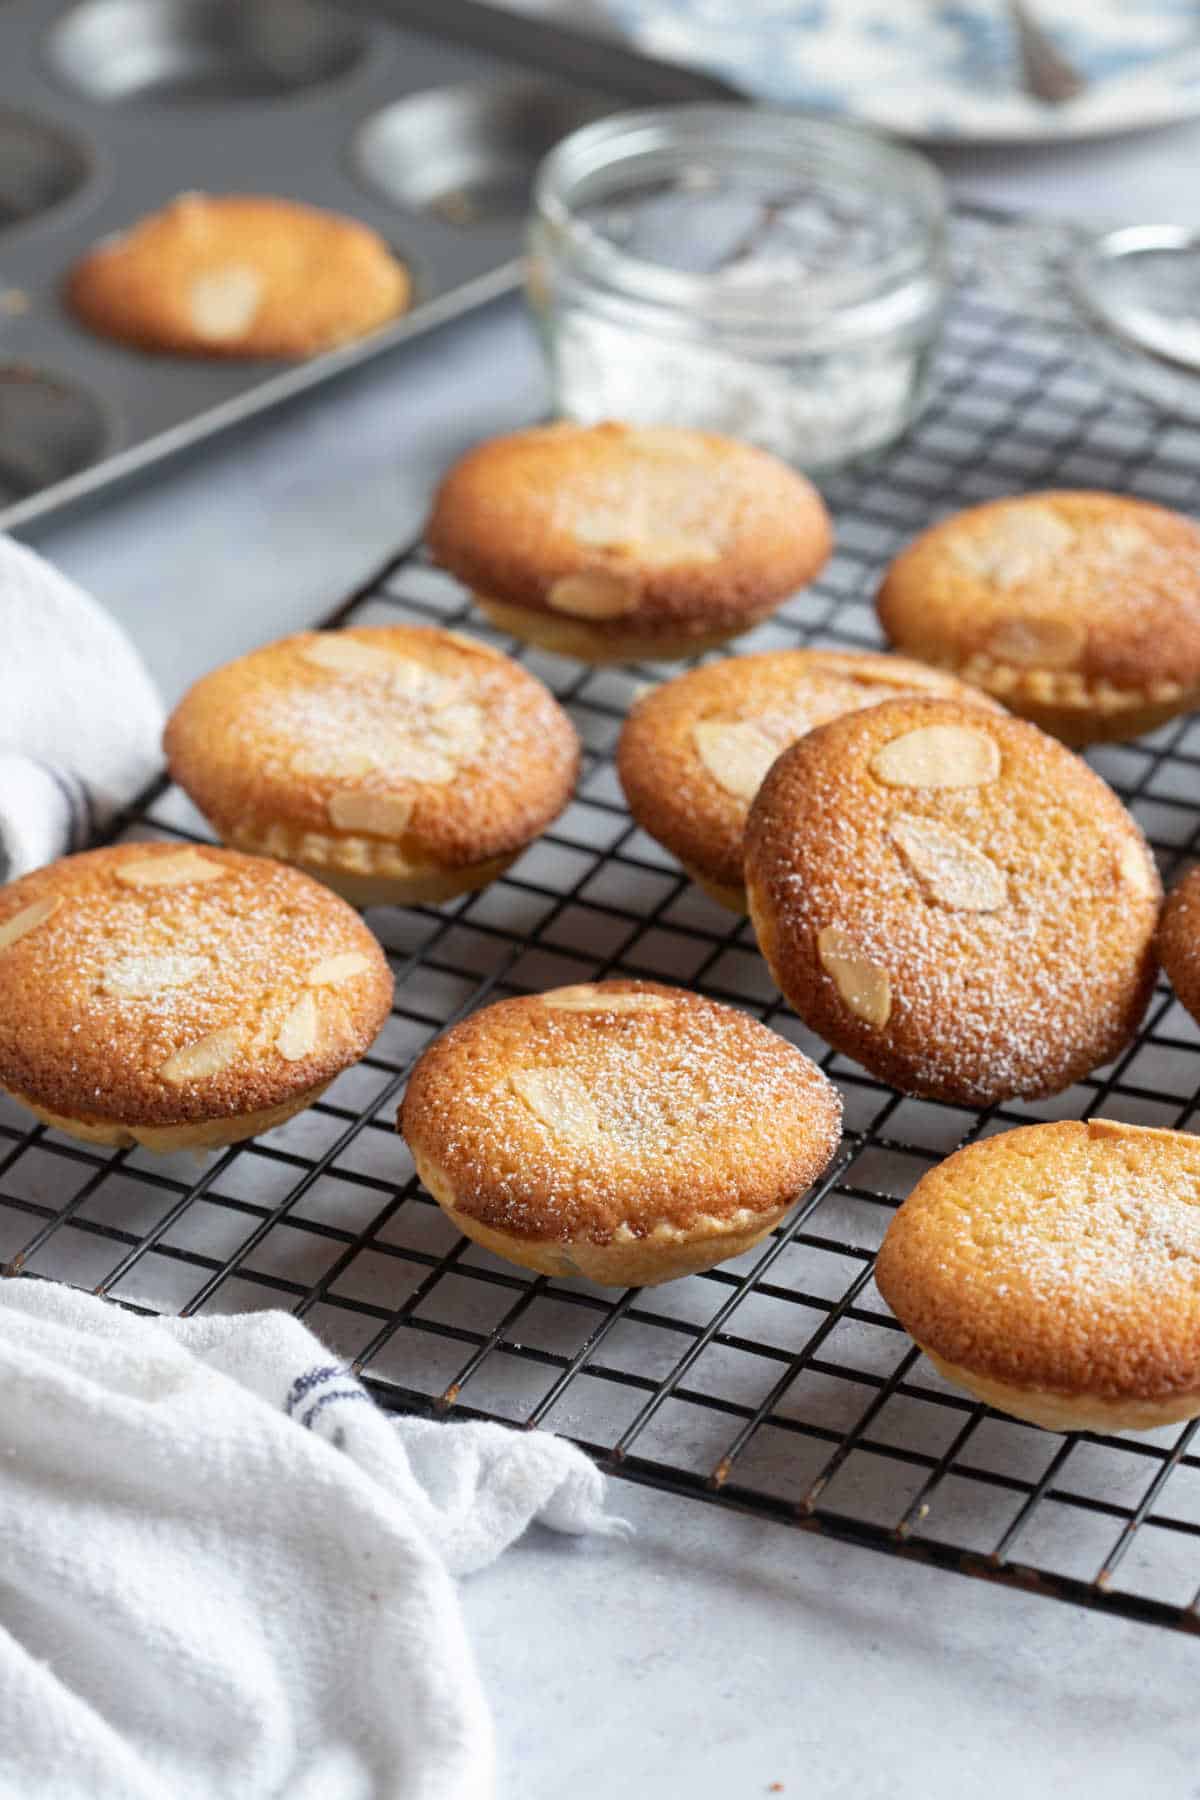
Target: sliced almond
point(27, 920)
point(413, 681)
point(938, 756)
point(1014, 545)
point(340, 762)
point(429, 762)
point(736, 753)
point(348, 655)
point(136, 977)
point(1137, 869)
point(1119, 1128)
point(1118, 539)
point(594, 596)
point(560, 1099)
point(207, 1056)
point(336, 969)
point(383, 815)
point(862, 984)
point(180, 870)
point(955, 872)
point(459, 730)
point(297, 1035)
point(784, 724)
point(223, 302)
point(602, 525)
point(476, 646)
point(1037, 643)
point(584, 998)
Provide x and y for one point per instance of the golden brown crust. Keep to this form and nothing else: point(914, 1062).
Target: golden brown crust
point(394, 752)
point(1068, 1412)
point(1179, 941)
point(635, 531)
point(693, 752)
point(667, 1253)
point(138, 987)
point(606, 643)
point(209, 1134)
point(239, 275)
point(988, 937)
point(619, 1112)
point(357, 869)
point(1078, 610)
point(1060, 1259)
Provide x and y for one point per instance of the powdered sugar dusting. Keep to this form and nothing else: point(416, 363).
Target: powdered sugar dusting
point(984, 1004)
point(1102, 1232)
point(552, 1121)
point(657, 506)
point(143, 977)
point(379, 715)
point(695, 751)
point(123, 979)
point(391, 714)
point(1062, 1257)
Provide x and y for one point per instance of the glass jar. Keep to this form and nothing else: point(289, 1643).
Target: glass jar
point(775, 277)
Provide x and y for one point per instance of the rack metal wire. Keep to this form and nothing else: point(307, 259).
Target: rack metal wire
point(779, 1383)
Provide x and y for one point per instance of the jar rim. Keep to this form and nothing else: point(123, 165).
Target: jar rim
point(656, 136)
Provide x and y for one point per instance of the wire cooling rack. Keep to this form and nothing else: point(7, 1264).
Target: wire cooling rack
point(778, 1383)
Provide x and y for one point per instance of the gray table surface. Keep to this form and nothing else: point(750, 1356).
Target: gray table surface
point(715, 1655)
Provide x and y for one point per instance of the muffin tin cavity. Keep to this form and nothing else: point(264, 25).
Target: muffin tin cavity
point(209, 51)
point(39, 167)
point(412, 118)
point(49, 430)
point(467, 154)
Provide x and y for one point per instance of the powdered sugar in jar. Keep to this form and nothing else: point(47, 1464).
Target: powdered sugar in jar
point(772, 276)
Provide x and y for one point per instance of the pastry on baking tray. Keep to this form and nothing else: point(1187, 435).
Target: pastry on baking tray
point(610, 542)
point(399, 763)
point(622, 1130)
point(180, 997)
point(239, 275)
point(1179, 941)
point(1080, 611)
point(1054, 1271)
point(693, 752)
point(953, 899)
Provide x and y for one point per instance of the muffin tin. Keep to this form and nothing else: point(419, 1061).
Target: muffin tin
point(426, 125)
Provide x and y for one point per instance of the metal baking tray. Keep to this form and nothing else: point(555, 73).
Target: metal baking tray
point(427, 124)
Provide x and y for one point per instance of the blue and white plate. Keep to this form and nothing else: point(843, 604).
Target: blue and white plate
point(938, 70)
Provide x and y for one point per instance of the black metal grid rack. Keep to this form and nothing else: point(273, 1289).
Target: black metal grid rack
point(778, 1383)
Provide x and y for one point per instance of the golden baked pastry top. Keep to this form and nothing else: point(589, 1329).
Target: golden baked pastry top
point(618, 1109)
point(239, 275)
point(422, 737)
point(694, 752)
point(954, 899)
point(1067, 600)
point(1063, 1258)
point(652, 528)
point(154, 984)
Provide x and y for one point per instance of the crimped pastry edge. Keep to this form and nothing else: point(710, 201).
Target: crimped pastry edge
point(602, 641)
point(664, 1253)
point(366, 871)
point(1069, 706)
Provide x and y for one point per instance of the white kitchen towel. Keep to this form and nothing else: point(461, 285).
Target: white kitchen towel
point(80, 722)
point(226, 1572)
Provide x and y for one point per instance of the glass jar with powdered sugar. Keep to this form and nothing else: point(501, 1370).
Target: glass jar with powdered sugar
point(771, 276)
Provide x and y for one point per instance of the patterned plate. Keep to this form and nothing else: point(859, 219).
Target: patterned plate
point(937, 70)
